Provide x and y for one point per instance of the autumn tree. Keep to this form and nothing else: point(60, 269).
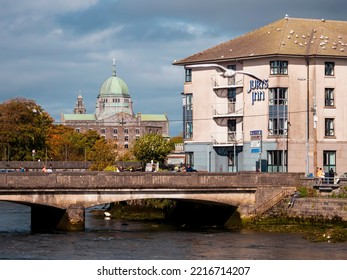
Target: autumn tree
point(24, 127)
point(152, 147)
point(103, 154)
point(66, 144)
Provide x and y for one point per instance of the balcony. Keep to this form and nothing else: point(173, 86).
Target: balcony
point(219, 82)
point(227, 110)
point(227, 139)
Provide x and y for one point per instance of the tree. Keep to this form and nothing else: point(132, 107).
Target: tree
point(24, 127)
point(66, 144)
point(103, 154)
point(152, 147)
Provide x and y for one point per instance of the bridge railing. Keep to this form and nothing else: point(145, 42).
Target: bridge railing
point(263, 207)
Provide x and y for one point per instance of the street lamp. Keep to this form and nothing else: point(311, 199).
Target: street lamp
point(314, 111)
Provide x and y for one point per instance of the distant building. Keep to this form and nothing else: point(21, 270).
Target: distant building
point(293, 119)
point(114, 117)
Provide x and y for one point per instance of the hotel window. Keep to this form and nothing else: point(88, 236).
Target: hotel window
point(78, 130)
point(103, 130)
point(231, 80)
point(278, 111)
point(188, 75)
point(329, 97)
point(188, 116)
point(126, 130)
point(137, 131)
point(329, 68)
point(126, 138)
point(278, 67)
point(329, 127)
point(115, 130)
point(231, 100)
point(276, 162)
point(329, 160)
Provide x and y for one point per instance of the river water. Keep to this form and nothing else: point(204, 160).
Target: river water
point(129, 240)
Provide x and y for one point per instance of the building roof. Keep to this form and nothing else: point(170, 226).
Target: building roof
point(153, 117)
point(287, 36)
point(114, 86)
point(79, 117)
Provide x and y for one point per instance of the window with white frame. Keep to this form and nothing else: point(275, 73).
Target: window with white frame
point(278, 111)
point(278, 67)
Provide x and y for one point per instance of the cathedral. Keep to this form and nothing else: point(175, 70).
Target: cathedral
point(114, 117)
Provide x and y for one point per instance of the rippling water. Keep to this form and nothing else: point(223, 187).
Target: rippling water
point(127, 240)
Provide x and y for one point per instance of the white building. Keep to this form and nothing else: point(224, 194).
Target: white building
point(294, 119)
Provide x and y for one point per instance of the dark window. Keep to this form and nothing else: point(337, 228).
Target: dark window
point(278, 67)
point(329, 160)
point(329, 97)
point(103, 130)
point(329, 68)
point(189, 158)
point(188, 75)
point(329, 127)
point(276, 162)
point(188, 116)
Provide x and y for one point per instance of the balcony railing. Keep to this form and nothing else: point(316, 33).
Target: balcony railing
point(219, 82)
point(227, 109)
point(227, 139)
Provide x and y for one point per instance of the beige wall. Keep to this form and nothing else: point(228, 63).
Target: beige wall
point(256, 115)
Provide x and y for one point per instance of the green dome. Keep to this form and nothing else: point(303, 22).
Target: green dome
point(114, 86)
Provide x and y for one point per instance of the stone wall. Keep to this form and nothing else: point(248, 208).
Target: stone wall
point(312, 208)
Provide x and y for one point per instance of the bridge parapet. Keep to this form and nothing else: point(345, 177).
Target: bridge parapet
point(102, 180)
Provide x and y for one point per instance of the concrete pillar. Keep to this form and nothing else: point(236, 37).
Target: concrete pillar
point(47, 219)
point(73, 219)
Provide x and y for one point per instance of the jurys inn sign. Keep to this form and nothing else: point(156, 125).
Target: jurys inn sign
point(257, 89)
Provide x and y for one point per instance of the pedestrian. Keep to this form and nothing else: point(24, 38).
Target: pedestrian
point(44, 169)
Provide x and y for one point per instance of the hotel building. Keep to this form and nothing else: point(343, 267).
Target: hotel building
point(291, 119)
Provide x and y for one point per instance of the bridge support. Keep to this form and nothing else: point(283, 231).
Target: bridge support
point(45, 218)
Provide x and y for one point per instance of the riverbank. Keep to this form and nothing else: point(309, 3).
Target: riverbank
point(280, 219)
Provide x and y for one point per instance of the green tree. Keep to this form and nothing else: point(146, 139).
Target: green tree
point(152, 147)
point(24, 127)
point(103, 154)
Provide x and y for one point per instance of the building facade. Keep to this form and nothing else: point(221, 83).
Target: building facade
point(114, 117)
point(284, 107)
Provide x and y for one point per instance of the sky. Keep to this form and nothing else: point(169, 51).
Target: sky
point(52, 51)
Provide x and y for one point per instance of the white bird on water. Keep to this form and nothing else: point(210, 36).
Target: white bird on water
point(107, 214)
point(227, 73)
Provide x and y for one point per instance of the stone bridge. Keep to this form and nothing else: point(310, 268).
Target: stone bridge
point(59, 199)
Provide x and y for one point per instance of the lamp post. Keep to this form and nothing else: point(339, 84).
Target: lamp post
point(314, 111)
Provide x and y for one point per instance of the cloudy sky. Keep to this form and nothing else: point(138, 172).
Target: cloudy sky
point(51, 50)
